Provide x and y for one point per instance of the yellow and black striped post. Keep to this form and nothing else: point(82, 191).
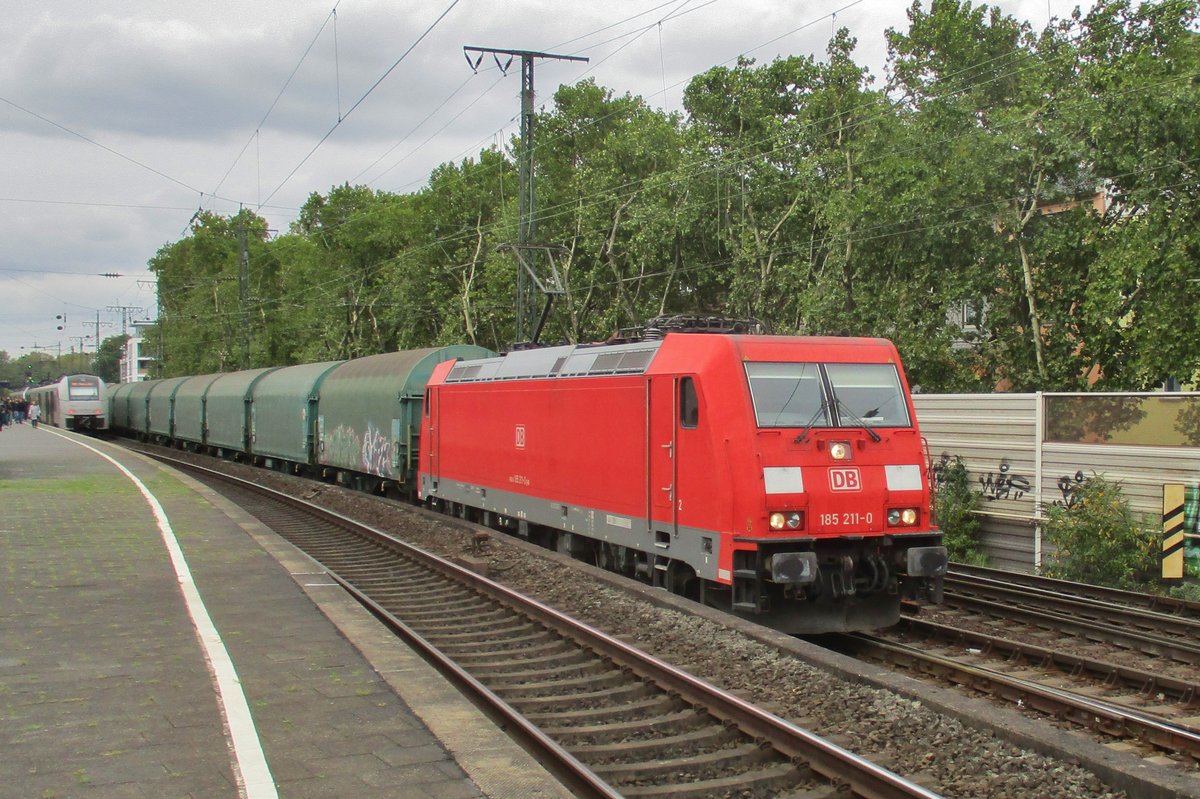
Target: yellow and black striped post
point(1172, 543)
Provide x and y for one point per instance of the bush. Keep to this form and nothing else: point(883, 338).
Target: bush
point(1097, 539)
point(955, 508)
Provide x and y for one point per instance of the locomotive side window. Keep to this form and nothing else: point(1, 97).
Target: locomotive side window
point(868, 393)
point(787, 394)
point(689, 404)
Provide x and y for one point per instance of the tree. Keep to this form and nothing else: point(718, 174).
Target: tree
point(1138, 66)
point(108, 358)
point(203, 320)
point(754, 196)
point(990, 95)
point(356, 236)
point(795, 192)
point(453, 286)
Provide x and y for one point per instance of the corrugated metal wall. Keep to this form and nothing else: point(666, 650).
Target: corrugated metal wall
point(1000, 438)
point(996, 437)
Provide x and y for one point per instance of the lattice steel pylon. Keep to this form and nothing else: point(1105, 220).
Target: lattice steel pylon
point(528, 324)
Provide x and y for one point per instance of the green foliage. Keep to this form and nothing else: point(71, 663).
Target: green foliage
point(1096, 539)
point(108, 359)
point(795, 191)
point(38, 367)
point(1189, 592)
point(955, 512)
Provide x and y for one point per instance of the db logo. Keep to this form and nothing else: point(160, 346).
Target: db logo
point(845, 480)
point(520, 436)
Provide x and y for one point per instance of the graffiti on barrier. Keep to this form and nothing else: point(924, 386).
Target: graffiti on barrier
point(939, 470)
point(1003, 483)
point(1069, 486)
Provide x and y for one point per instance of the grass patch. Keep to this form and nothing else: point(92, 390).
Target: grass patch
point(91, 486)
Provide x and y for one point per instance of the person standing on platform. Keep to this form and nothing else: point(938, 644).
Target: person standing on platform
point(35, 413)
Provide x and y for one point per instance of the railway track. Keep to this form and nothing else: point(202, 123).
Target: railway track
point(1118, 668)
point(1167, 635)
point(607, 719)
point(1156, 603)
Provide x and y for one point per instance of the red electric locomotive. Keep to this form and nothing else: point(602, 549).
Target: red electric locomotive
point(780, 478)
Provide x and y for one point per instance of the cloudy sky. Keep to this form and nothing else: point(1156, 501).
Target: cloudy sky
point(119, 120)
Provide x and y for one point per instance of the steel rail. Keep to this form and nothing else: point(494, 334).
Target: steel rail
point(581, 780)
point(1086, 607)
point(1182, 651)
point(1155, 603)
point(1095, 714)
point(864, 778)
point(1145, 682)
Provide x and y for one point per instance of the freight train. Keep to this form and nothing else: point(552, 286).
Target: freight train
point(74, 402)
point(782, 479)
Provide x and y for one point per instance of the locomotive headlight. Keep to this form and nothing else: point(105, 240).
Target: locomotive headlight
point(902, 517)
point(786, 520)
point(839, 450)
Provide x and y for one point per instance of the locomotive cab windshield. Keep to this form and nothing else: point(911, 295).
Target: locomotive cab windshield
point(811, 395)
point(83, 387)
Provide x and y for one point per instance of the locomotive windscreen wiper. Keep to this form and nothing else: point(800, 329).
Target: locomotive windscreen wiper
point(852, 416)
point(800, 439)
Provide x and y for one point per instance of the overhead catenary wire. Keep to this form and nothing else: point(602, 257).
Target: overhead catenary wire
point(748, 146)
point(948, 218)
point(343, 117)
point(900, 226)
point(278, 95)
point(99, 145)
point(752, 153)
point(598, 198)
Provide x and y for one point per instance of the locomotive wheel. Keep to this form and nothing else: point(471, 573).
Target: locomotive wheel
point(682, 580)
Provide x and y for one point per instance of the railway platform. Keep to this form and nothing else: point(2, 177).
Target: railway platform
point(155, 641)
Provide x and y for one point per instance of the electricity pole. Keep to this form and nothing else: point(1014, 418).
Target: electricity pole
point(527, 280)
point(127, 312)
point(243, 280)
point(159, 322)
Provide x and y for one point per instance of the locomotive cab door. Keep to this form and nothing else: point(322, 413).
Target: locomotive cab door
point(662, 441)
point(429, 438)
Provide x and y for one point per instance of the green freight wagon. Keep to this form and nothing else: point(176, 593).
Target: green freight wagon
point(369, 420)
point(189, 408)
point(118, 406)
point(283, 415)
point(161, 427)
point(226, 410)
point(139, 407)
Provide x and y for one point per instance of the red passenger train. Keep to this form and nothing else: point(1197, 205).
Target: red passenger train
point(781, 478)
